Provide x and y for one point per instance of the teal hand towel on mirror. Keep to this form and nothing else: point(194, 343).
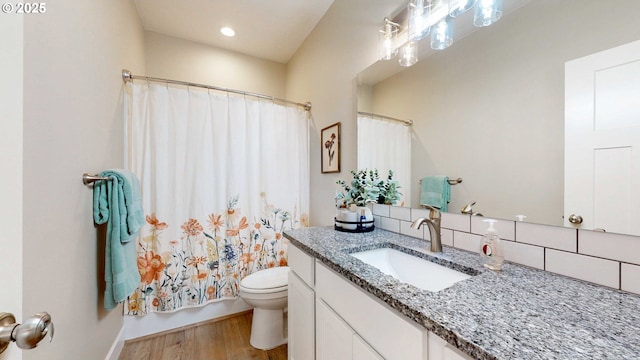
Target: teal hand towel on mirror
point(435, 191)
point(119, 202)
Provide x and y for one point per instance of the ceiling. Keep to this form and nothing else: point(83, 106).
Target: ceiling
point(272, 29)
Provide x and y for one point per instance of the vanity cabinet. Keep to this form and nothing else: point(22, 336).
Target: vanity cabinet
point(439, 349)
point(336, 340)
point(332, 319)
point(301, 306)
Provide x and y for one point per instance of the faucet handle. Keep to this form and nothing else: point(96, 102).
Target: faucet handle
point(434, 212)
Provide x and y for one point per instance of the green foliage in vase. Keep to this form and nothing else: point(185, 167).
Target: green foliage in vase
point(389, 193)
point(367, 187)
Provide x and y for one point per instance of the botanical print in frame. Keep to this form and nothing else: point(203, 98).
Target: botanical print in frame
point(330, 148)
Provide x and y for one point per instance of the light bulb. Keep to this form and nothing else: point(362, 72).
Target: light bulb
point(418, 19)
point(487, 12)
point(442, 34)
point(227, 31)
point(457, 7)
point(388, 41)
point(409, 54)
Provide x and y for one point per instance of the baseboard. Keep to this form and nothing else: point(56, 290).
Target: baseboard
point(153, 323)
point(116, 347)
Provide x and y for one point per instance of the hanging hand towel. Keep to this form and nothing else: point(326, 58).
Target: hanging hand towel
point(119, 202)
point(436, 192)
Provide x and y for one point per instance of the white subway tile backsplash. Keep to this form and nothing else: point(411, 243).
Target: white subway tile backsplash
point(402, 213)
point(390, 224)
point(419, 213)
point(609, 245)
point(548, 236)
point(466, 241)
point(595, 270)
point(524, 254)
point(506, 228)
point(446, 236)
point(597, 261)
point(405, 229)
point(382, 210)
point(630, 278)
point(458, 222)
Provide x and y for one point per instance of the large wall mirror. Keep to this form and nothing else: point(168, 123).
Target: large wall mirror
point(490, 109)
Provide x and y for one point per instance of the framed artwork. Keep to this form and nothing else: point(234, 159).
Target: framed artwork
point(330, 148)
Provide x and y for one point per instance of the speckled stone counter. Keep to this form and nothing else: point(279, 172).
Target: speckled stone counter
point(519, 313)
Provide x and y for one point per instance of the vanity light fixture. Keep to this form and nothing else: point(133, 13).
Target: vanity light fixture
point(388, 40)
point(227, 31)
point(435, 17)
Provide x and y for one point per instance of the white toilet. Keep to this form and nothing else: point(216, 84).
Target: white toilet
point(266, 292)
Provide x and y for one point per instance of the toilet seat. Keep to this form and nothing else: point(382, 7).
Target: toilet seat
point(271, 280)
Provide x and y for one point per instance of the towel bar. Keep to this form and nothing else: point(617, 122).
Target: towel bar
point(451, 182)
point(90, 179)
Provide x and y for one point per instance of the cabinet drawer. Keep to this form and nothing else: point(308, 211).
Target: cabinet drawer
point(388, 333)
point(302, 264)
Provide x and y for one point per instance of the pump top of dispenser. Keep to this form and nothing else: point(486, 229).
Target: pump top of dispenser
point(491, 229)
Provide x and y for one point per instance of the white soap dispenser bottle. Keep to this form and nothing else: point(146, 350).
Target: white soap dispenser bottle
point(491, 248)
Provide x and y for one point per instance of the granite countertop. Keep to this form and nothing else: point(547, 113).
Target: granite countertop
point(518, 313)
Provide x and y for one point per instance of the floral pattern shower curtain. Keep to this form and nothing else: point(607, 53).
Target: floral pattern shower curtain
point(222, 177)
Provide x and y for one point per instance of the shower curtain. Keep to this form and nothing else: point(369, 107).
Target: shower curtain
point(222, 177)
point(394, 153)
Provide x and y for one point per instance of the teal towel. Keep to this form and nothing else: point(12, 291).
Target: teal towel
point(436, 192)
point(119, 202)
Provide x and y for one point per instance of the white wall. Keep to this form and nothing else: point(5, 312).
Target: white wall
point(490, 108)
point(11, 99)
point(178, 59)
point(73, 123)
point(323, 71)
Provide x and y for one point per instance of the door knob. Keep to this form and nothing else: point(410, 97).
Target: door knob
point(26, 335)
point(575, 219)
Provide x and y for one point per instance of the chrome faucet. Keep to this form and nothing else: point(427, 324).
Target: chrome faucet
point(433, 222)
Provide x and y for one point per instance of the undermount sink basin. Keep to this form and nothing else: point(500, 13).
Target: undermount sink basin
point(413, 270)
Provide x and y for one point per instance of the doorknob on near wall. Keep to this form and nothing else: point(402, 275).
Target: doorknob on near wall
point(575, 219)
point(26, 335)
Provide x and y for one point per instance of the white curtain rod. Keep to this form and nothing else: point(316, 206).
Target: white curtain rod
point(405, 122)
point(127, 76)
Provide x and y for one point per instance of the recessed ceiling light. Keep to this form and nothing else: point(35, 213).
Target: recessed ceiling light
point(227, 31)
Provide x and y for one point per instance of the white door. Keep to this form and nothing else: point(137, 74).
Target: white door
point(602, 140)
point(11, 155)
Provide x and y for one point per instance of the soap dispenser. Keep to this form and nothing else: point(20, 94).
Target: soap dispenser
point(491, 248)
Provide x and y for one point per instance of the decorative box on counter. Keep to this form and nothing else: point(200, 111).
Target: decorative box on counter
point(357, 221)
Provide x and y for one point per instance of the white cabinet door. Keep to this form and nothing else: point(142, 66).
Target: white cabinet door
point(334, 337)
point(362, 350)
point(301, 315)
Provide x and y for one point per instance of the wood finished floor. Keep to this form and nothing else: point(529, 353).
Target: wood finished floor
point(226, 339)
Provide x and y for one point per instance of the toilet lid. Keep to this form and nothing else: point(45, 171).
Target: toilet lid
point(267, 279)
